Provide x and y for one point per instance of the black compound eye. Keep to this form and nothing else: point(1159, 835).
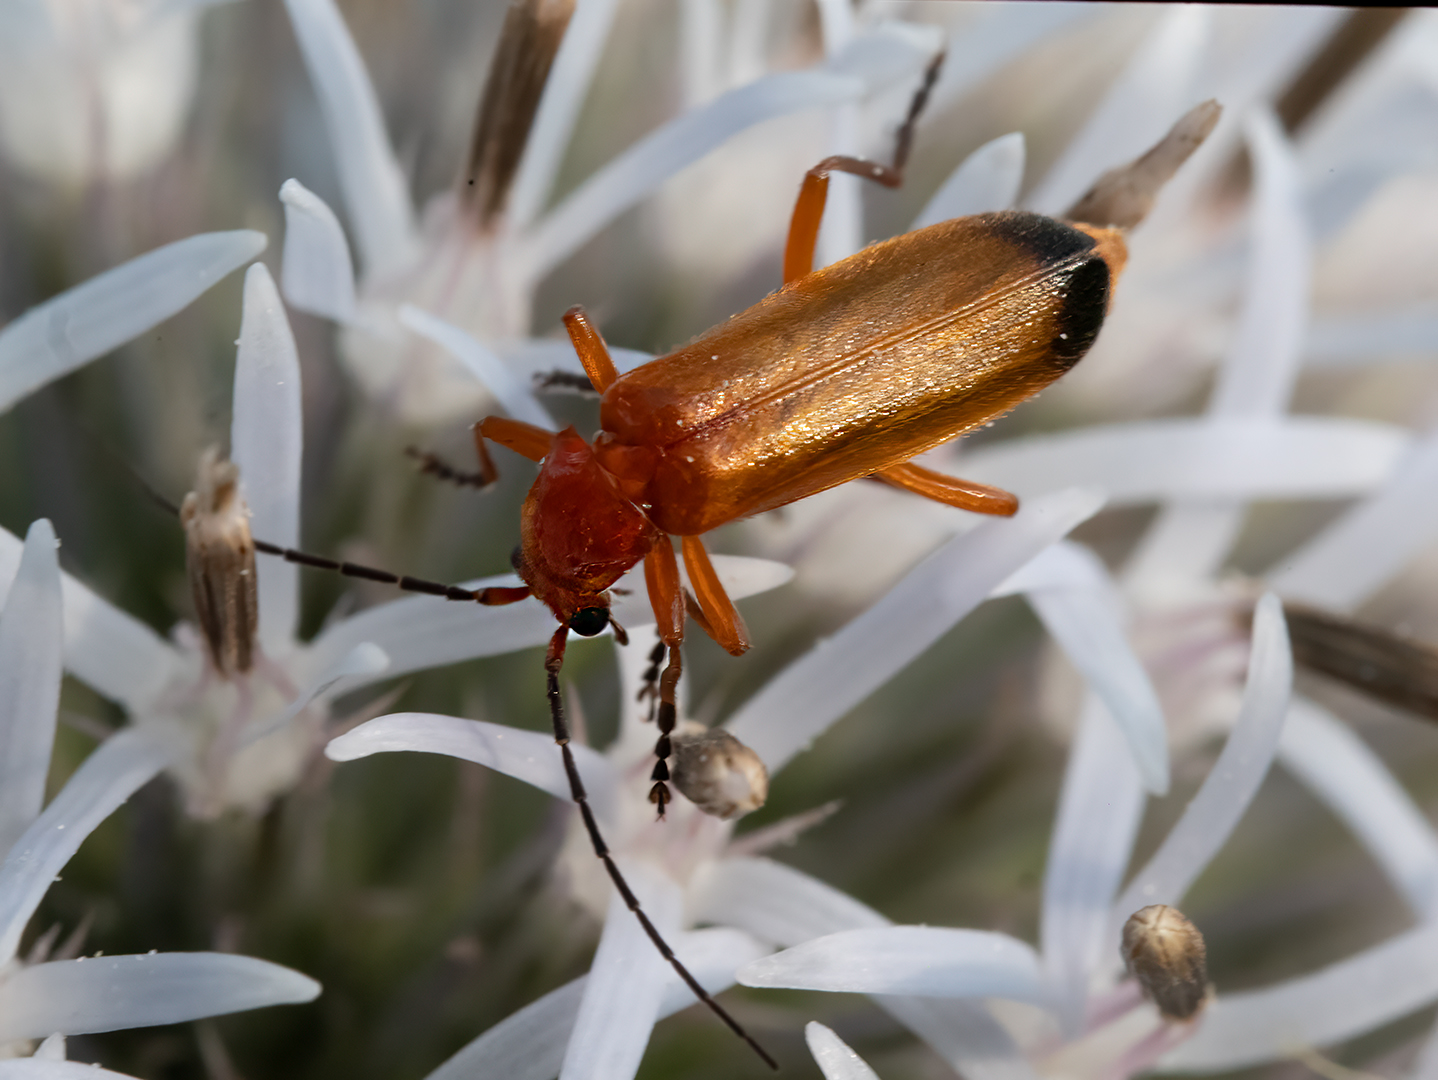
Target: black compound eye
point(589, 621)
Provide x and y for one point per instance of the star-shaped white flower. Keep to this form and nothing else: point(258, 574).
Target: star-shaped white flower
point(47, 999)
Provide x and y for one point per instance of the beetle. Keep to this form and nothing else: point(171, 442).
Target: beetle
point(845, 372)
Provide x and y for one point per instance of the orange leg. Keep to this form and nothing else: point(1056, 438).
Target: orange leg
point(809, 209)
point(721, 620)
point(661, 574)
point(950, 490)
point(593, 353)
point(524, 439)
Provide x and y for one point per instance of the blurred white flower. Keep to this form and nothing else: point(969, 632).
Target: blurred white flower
point(44, 998)
point(481, 276)
point(94, 90)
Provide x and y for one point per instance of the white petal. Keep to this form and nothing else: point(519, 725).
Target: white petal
point(1337, 766)
point(373, 184)
point(1231, 783)
point(529, 1045)
point(1147, 97)
point(625, 985)
point(107, 993)
point(648, 163)
point(1344, 999)
point(362, 664)
point(1256, 378)
point(812, 693)
point(1355, 555)
point(988, 179)
point(31, 639)
point(52, 1049)
point(112, 308)
point(1085, 618)
point(785, 906)
point(317, 273)
point(930, 961)
point(564, 94)
point(425, 631)
point(1295, 458)
point(525, 755)
point(518, 400)
point(114, 653)
point(32, 1069)
point(267, 442)
point(833, 1055)
point(1100, 807)
point(107, 778)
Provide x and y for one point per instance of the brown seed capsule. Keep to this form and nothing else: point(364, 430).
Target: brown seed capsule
point(719, 774)
point(220, 560)
point(1166, 954)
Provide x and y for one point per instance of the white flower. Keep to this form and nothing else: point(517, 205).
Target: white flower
point(482, 279)
point(95, 89)
point(687, 869)
point(42, 998)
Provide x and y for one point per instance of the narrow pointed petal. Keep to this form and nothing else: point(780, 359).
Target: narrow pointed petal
point(52, 1049)
point(1256, 378)
point(1100, 807)
point(375, 193)
point(31, 640)
point(35, 1069)
point(1230, 784)
point(625, 985)
point(1348, 998)
point(529, 1045)
point(424, 631)
point(929, 961)
point(109, 650)
point(1355, 555)
point(1085, 618)
point(1148, 96)
point(108, 777)
point(1293, 458)
point(107, 993)
point(518, 400)
point(1337, 766)
point(988, 179)
point(833, 1055)
point(811, 694)
point(318, 274)
point(112, 308)
point(778, 904)
point(525, 755)
point(564, 95)
point(267, 442)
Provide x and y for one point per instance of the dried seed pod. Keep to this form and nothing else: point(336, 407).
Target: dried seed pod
point(220, 560)
point(719, 774)
point(1166, 954)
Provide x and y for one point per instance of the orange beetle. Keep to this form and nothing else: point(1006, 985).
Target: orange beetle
point(846, 372)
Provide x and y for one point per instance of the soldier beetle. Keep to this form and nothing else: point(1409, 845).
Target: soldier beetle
point(844, 373)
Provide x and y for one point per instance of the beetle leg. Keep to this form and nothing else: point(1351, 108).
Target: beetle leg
point(593, 353)
point(661, 574)
point(809, 208)
point(431, 464)
point(950, 490)
point(526, 440)
point(722, 621)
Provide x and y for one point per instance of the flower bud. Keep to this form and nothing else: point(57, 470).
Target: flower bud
point(719, 774)
point(1166, 954)
point(220, 561)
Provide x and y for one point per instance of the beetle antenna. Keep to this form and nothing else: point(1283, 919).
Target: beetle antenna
point(553, 661)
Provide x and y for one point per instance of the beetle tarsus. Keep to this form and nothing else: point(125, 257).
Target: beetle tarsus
point(432, 464)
